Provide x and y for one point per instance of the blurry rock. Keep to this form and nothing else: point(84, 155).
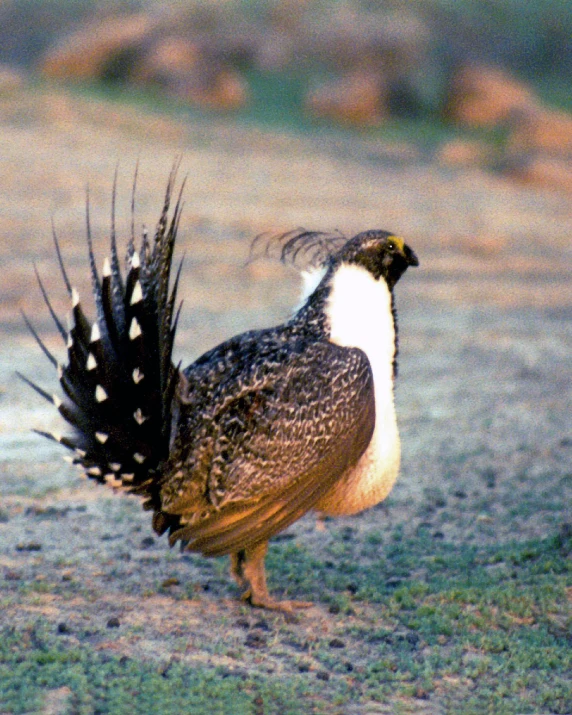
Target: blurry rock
point(542, 171)
point(542, 130)
point(275, 51)
point(182, 68)
point(103, 49)
point(168, 62)
point(463, 153)
point(485, 97)
point(213, 87)
point(349, 38)
point(359, 98)
point(10, 79)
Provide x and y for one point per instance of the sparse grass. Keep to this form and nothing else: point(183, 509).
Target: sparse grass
point(483, 630)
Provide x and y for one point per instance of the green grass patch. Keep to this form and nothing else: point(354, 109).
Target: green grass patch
point(484, 629)
point(35, 662)
point(477, 629)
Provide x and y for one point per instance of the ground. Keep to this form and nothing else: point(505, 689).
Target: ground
point(454, 595)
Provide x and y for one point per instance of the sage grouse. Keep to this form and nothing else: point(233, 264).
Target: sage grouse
point(261, 429)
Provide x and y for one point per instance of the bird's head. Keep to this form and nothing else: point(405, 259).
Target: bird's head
point(381, 253)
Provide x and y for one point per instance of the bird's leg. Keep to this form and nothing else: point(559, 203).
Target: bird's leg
point(248, 565)
point(236, 570)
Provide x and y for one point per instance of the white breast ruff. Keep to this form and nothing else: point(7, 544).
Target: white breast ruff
point(359, 313)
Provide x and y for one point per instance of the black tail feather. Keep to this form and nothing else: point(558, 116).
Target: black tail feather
point(40, 342)
point(62, 331)
point(60, 260)
point(119, 381)
point(35, 387)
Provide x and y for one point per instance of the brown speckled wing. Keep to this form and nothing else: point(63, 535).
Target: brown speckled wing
point(271, 445)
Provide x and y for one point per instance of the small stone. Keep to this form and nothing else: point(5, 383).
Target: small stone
point(147, 542)
point(348, 666)
point(352, 588)
point(113, 622)
point(334, 608)
point(30, 546)
point(263, 625)
point(243, 623)
point(393, 582)
point(412, 638)
point(438, 535)
point(173, 581)
point(337, 643)
point(322, 675)
point(347, 533)
point(63, 628)
point(255, 639)
point(303, 667)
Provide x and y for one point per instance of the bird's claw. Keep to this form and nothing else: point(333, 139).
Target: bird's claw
point(265, 601)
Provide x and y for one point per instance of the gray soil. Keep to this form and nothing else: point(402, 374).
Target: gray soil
point(484, 389)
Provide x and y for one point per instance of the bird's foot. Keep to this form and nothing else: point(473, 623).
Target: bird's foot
point(264, 600)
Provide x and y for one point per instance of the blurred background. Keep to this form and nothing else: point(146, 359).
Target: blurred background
point(475, 82)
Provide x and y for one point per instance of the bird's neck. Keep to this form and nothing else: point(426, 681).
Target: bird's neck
point(350, 308)
point(359, 313)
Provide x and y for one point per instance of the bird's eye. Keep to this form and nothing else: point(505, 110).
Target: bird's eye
point(391, 246)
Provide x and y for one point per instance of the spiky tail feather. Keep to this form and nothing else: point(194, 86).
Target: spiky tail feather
point(119, 380)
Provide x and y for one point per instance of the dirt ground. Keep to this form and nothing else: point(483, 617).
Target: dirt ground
point(484, 390)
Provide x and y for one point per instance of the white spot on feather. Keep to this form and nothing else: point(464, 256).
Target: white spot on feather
point(106, 271)
point(94, 471)
point(69, 343)
point(74, 297)
point(128, 477)
point(91, 363)
point(60, 372)
point(101, 437)
point(140, 458)
point(137, 295)
point(137, 376)
point(100, 394)
point(134, 329)
point(138, 416)
point(135, 261)
point(95, 334)
point(57, 402)
point(114, 466)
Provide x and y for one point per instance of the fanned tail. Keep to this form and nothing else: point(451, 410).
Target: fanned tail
point(119, 381)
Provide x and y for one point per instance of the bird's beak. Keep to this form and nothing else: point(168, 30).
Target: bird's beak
point(410, 256)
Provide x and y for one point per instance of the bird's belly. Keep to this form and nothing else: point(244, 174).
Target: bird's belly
point(372, 478)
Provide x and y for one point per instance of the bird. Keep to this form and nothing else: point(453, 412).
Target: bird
point(261, 429)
